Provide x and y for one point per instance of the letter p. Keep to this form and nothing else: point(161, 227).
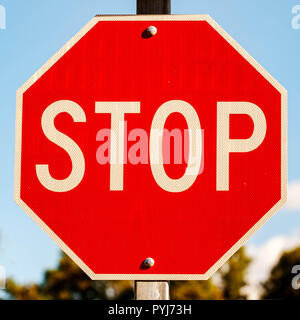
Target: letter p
point(225, 145)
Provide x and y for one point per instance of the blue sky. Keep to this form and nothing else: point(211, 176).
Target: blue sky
point(36, 29)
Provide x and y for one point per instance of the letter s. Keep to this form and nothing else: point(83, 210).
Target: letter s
point(66, 143)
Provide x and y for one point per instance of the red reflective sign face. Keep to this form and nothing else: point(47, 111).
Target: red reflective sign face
point(131, 146)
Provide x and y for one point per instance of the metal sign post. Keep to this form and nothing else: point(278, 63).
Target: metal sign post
point(153, 290)
point(153, 6)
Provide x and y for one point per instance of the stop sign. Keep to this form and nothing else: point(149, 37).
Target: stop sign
point(151, 137)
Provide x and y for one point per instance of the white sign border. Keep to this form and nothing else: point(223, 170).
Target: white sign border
point(67, 47)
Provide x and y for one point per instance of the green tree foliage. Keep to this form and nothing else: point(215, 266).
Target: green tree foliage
point(195, 290)
point(233, 276)
point(232, 281)
point(19, 292)
point(279, 283)
point(68, 282)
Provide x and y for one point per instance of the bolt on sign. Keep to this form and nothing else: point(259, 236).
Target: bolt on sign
point(151, 147)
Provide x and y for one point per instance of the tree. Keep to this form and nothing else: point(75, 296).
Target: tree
point(232, 281)
point(29, 292)
point(195, 290)
point(233, 275)
point(279, 283)
point(69, 282)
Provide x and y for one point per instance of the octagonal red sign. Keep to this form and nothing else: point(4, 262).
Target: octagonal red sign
point(166, 143)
